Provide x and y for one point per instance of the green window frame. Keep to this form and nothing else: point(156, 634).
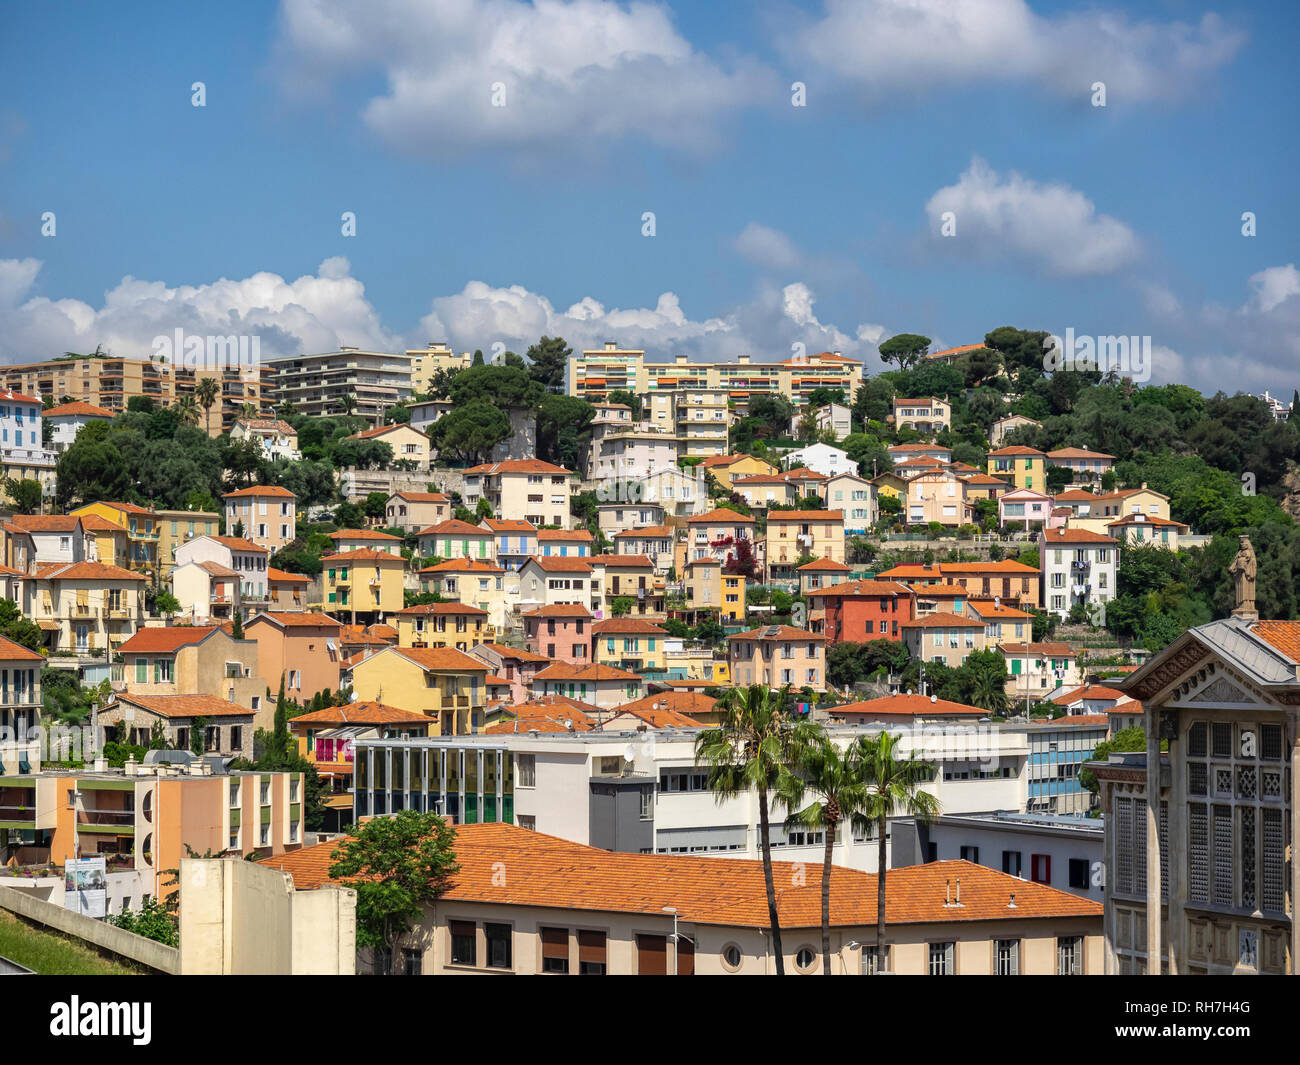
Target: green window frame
point(141, 670)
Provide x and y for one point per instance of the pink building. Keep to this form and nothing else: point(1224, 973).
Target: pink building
point(777, 655)
point(561, 632)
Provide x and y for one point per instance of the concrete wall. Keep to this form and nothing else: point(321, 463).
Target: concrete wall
point(240, 918)
point(117, 941)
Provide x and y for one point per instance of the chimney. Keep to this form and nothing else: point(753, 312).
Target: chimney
point(611, 345)
point(947, 892)
point(1012, 904)
point(958, 899)
point(742, 360)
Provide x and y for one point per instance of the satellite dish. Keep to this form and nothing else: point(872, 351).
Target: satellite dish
point(934, 698)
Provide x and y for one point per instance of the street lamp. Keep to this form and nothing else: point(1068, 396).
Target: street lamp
point(676, 937)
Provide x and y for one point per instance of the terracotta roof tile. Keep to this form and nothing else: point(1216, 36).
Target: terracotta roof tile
point(175, 706)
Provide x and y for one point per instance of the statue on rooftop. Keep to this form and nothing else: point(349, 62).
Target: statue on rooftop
point(1243, 571)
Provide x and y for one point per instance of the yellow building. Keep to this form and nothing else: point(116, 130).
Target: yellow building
point(363, 581)
point(707, 588)
point(472, 581)
point(796, 534)
point(409, 445)
point(177, 527)
point(726, 468)
point(1100, 512)
point(446, 685)
point(142, 528)
point(1022, 466)
point(456, 625)
point(629, 643)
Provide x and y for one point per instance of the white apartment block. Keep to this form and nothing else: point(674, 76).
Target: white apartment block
point(1079, 567)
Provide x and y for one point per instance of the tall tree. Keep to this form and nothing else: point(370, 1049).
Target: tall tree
point(549, 359)
point(206, 392)
point(751, 747)
point(893, 787)
point(838, 778)
point(906, 349)
point(187, 409)
point(397, 865)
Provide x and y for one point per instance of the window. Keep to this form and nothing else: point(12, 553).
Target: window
point(1011, 862)
point(732, 957)
point(591, 953)
point(1069, 956)
point(527, 770)
point(498, 938)
point(874, 961)
point(970, 854)
point(1006, 957)
point(1040, 868)
point(805, 960)
point(1079, 872)
point(941, 955)
point(412, 962)
point(464, 944)
point(647, 802)
point(555, 950)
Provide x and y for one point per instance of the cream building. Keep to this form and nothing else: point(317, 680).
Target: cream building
point(796, 534)
point(267, 514)
point(777, 655)
point(522, 489)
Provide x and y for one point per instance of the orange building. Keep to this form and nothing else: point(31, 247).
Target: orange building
point(303, 649)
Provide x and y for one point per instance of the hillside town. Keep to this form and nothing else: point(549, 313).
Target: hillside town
point(737, 667)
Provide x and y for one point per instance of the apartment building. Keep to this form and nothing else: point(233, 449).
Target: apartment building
point(1012, 582)
point(628, 584)
point(84, 607)
point(859, 611)
point(1084, 464)
point(1080, 568)
point(150, 815)
point(777, 655)
point(1001, 622)
point(512, 664)
point(226, 727)
point(856, 497)
point(629, 454)
point(143, 530)
point(762, 491)
point(707, 589)
point(1197, 839)
point(428, 361)
point(1032, 510)
point(176, 527)
point(655, 542)
point(301, 648)
point(1058, 748)
point(247, 560)
point(448, 686)
point(551, 580)
point(701, 418)
point(482, 584)
point(1035, 669)
point(366, 539)
point(947, 639)
point(515, 541)
point(364, 581)
point(316, 385)
point(594, 374)
point(1096, 513)
point(559, 632)
point(821, 458)
point(799, 535)
point(522, 489)
point(1024, 467)
point(20, 709)
point(631, 644)
point(66, 420)
point(266, 514)
point(725, 469)
point(577, 542)
point(454, 625)
point(23, 455)
point(938, 496)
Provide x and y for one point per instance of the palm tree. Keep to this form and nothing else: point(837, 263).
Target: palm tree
point(750, 748)
point(206, 391)
point(187, 409)
point(989, 692)
point(249, 410)
point(839, 779)
point(348, 403)
point(893, 787)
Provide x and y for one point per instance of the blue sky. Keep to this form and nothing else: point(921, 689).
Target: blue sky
point(775, 224)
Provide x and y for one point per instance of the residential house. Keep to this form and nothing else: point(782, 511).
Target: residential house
point(442, 625)
point(1080, 568)
point(302, 649)
point(288, 591)
point(246, 559)
point(142, 528)
point(1024, 467)
point(454, 538)
point(1031, 509)
point(208, 591)
point(409, 444)
point(560, 632)
point(227, 728)
point(364, 581)
point(515, 541)
point(655, 542)
point(276, 437)
point(794, 536)
point(856, 497)
point(514, 665)
point(265, 514)
point(927, 415)
point(982, 486)
point(481, 584)
point(1009, 424)
point(715, 535)
point(948, 639)
point(821, 573)
point(196, 660)
point(1012, 582)
point(765, 490)
point(67, 419)
point(707, 588)
point(410, 511)
point(556, 579)
point(522, 489)
point(605, 687)
point(628, 577)
point(821, 458)
point(938, 496)
point(177, 527)
point(921, 449)
point(940, 598)
point(446, 685)
point(1137, 530)
point(23, 455)
point(577, 542)
point(1000, 621)
point(1036, 669)
point(53, 538)
point(613, 518)
point(1096, 513)
point(1086, 465)
point(726, 468)
point(859, 611)
point(365, 540)
point(21, 748)
point(777, 655)
point(631, 644)
point(683, 493)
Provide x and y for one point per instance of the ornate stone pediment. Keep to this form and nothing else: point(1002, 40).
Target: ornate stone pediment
point(1220, 690)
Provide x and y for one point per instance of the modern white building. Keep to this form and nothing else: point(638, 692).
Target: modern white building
point(66, 421)
point(642, 792)
point(22, 454)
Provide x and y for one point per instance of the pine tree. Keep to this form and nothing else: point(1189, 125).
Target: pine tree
point(237, 626)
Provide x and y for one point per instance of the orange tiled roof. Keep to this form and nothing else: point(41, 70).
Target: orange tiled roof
point(783, 632)
point(440, 608)
point(11, 652)
point(362, 534)
point(295, 619)
point(360, 713)
point(563, 563)
point(185, 705)
point(720, 516)
point(579, 536)
point(1017, 451)
point(804, 515)
point(85, 571)
point(910, 705)
point(238, 543)
point(151, 640)
point(464, 565)
point(383, 430)
point(986, 608)
point(1283, 635)
point(364, 554)
point(75, 408)
point(1077, 453)
point(626, 561)
point(825, 564)
point(685, 703)
point(284, 575)
point(943, 620)
point(591, 672)
point(518, 466)
point(558, 610)
point(272, 490)
point(453, 525)
point(1077, 536)
point(422, 497)
point(516, 653)
point(509, 525)
point(55, 523)
point(445, 658)
point(1062, 650)
point(555, 873)
point(1091, 691)
point(862, 587)
point(629, 625)
point(649, 532)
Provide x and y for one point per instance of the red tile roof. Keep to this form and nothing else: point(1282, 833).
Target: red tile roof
point(943, 620)
point(518, 466)
point(1077, 536)
point(591, 672)
point(782, 632)
point(779, 516)
point(85, 571)
point(549, 872)
point(443, 658)
point(77, 408)
point(262, 490)
point(464, 565)
point(863, 587)
point(175, 706)
point(518, 654)
point(1283, 635)
point(558, 610)
point(579, 536)
point(562, 563)
point(285, 576)
point(628, 625)
point(439, 608)
point(509, 525)
point(721, 516)
point(384, 430)
point(295, 619)
point(363, 534)
point(238, 543)
point(16, 652)
point(361, 713)
point(909, 705)
point(453, 525)
point(152, 640)
point(364, 554)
